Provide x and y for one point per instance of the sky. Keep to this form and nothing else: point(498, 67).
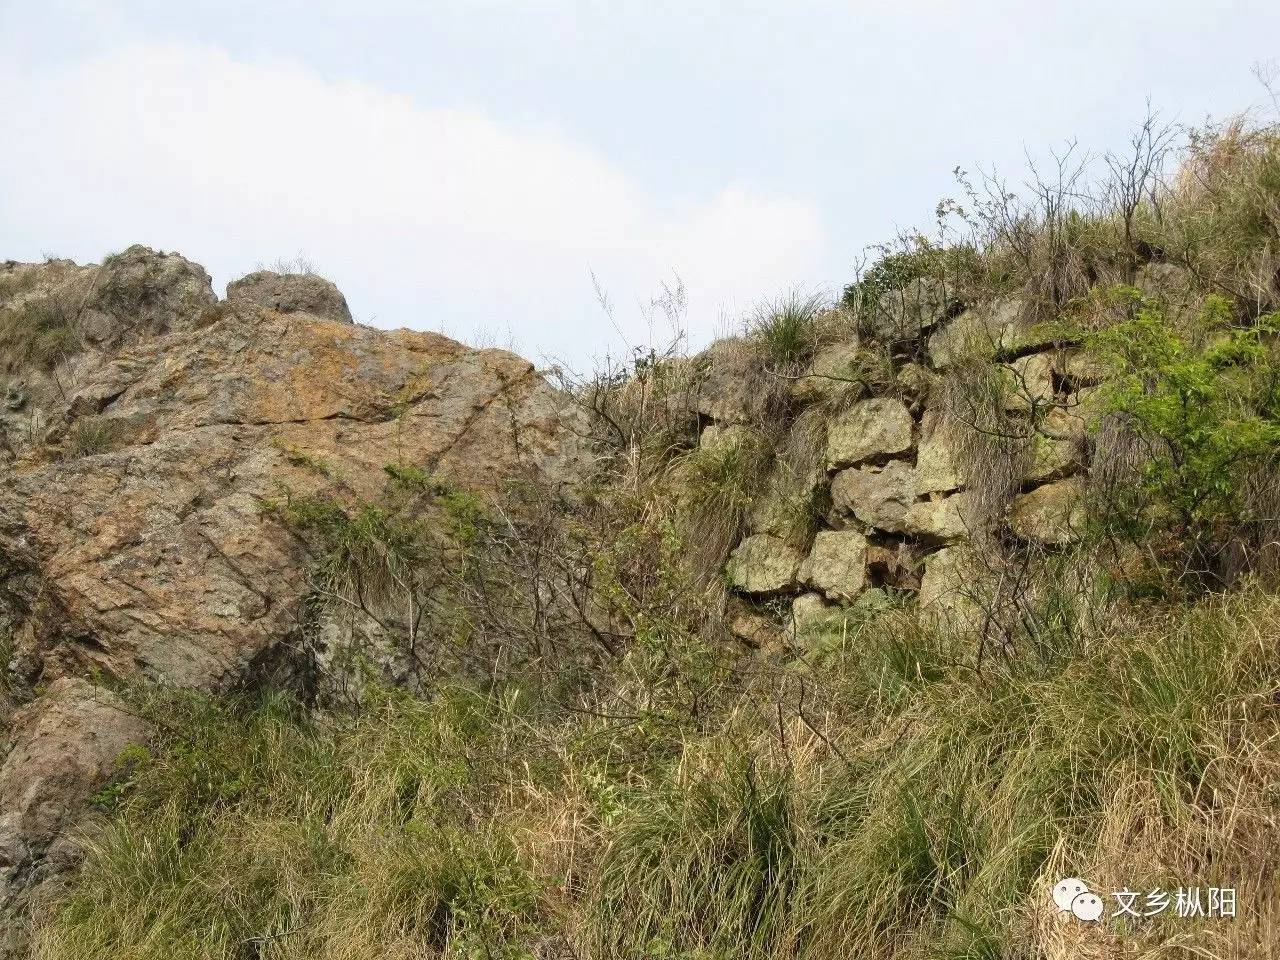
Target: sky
point(482, 167)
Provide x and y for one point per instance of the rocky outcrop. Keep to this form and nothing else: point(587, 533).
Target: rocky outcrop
point(135, 534)
point(62, 747)
point(291, 293)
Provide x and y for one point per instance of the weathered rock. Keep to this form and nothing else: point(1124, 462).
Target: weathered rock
point(786, 502)
point(915, 383)
point(158, 556)
point(871, 429)
point(833, 371)
point(140, 293)
point(904, 312)
point(1079, 368)
point(1030, 381)
point(291, 293)
point(939, 520)
point(878, 496)
point(730, 382)
point(1052, 459)
point(1000, 326)
point(84, 313)
point(953, 591)
point(63, 746)
point(935, 466)
point(808, 609)
point(763, 563)
point(836, 566)
point(1052, 514)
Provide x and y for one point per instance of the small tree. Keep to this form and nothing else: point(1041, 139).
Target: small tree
point(1204, 403)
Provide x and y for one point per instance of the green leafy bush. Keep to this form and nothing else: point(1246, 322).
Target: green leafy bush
point(1204, 404)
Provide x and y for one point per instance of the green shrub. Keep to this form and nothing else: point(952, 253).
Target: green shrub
point(371, 552)
point(1205, 404)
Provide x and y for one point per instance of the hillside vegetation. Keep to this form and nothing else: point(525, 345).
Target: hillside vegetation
point(597, 732)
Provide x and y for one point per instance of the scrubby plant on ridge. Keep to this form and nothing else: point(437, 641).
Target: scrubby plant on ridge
point(787, 329)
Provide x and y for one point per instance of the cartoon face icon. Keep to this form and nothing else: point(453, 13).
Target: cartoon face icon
point(1087, 906)
point(1067, 890)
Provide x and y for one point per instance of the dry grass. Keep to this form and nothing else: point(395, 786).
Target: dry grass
point(884, 801)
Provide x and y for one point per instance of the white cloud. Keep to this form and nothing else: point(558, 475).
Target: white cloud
point(426, 217)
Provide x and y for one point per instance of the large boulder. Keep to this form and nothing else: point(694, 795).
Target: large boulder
point(59, 319)
point(870, 430)
point(291, 293)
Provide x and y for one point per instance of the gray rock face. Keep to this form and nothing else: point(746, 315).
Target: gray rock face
point(291, 293)
point(871, 429)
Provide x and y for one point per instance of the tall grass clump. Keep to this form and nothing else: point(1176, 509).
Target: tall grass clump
point(37, 333)
point(787, 329)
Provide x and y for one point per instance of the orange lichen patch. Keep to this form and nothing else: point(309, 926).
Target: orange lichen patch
point(319, 380)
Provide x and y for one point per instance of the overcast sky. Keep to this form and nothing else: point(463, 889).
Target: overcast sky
point(467, 166)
